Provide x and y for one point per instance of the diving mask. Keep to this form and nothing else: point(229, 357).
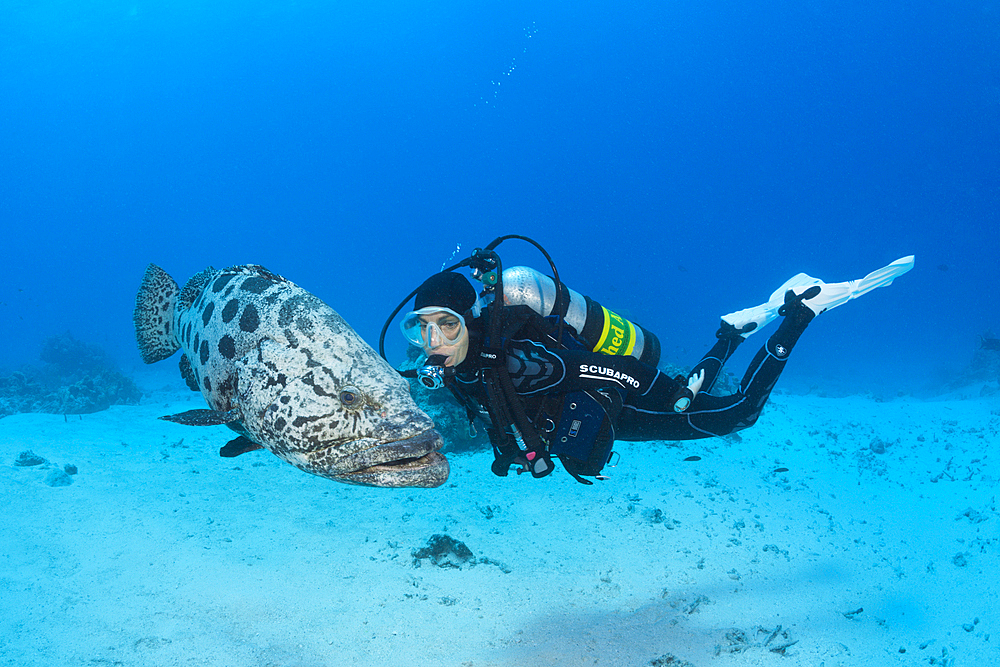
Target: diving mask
point(433, 327)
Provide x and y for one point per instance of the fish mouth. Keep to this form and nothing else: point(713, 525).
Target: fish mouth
point(413, 462)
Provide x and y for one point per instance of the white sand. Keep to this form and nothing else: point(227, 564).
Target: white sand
point(162, 553)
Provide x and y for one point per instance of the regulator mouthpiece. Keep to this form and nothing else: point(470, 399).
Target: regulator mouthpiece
point(433, 373)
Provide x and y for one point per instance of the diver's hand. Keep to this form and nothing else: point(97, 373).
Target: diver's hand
point(683, 397)
point(695, 382)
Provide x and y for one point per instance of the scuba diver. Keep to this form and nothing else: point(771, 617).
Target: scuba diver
point(555, 375)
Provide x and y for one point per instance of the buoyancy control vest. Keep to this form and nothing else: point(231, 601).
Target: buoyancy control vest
point(577, 427)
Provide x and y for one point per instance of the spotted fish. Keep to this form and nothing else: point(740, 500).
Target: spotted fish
point(286, 372)
point(989, 343)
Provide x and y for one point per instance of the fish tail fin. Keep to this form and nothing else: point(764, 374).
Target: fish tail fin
point(154, 315)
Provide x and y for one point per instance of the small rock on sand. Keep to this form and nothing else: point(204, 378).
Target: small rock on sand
point(58, 477)
point(29, 458)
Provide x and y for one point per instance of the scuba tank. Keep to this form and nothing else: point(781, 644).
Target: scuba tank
point(603, 330)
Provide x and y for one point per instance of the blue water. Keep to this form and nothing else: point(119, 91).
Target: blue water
point(678, 160)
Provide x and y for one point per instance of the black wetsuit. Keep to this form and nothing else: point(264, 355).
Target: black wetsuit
point(540, 369)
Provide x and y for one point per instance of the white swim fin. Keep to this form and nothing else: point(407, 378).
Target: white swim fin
point(750, 320)
point(837, 294)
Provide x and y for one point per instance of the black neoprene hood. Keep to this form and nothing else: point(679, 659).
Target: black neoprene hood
point(447, 289)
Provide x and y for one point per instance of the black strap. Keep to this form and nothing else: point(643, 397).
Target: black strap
point(539, 461)
point(471, 407)
point(505, 406)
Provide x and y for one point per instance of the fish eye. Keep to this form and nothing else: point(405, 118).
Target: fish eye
point(350, 397)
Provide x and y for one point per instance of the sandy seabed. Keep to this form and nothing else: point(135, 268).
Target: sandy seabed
point(837, 531)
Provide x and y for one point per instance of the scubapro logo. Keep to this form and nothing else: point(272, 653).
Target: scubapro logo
point(600, 372)
point(780, 351)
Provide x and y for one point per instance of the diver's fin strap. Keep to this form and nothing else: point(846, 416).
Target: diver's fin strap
point(793, 301)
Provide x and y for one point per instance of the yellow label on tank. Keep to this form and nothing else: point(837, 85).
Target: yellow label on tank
point(618, 335)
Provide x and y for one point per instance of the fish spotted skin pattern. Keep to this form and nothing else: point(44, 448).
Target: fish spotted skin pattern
point(286, 372)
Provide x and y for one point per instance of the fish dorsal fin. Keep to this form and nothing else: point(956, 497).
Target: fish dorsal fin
point(154, 315)
point(203, 417)
point(194, 286)
point(240, 445)
point(256, 270)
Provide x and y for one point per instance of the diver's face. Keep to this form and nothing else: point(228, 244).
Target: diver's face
point(453, 344)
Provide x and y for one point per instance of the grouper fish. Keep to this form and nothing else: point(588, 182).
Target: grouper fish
point(286, 372)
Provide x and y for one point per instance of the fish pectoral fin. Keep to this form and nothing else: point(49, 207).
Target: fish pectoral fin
point(240, 445)
point(203, 417)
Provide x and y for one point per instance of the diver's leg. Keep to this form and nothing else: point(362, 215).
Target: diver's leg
point(713, 361)
point(751, 320)
point(737, 327)
point(800, 307)
point(767, 364)
point(801, 304)
point(651, 416)
point(710, 415)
